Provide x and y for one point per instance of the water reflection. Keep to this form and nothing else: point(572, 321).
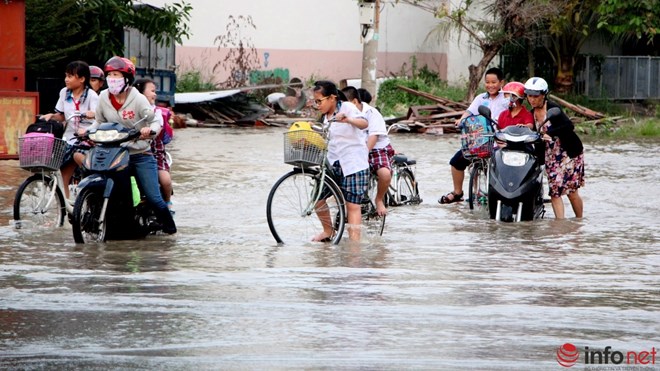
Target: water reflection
point(444, 288)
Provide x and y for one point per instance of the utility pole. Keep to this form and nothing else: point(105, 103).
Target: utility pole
point(369, 19)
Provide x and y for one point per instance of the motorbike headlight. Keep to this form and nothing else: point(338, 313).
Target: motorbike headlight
point(514, 158)
point(105, 136)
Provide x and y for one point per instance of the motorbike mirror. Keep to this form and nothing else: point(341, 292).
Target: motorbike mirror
point(484, 111)
point(552, 112)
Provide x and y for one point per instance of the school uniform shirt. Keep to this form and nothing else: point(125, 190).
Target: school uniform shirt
point(523, 117)
point(496, 105)
point(135, 113)
point(347, 144)
point(376, 126)
point(67, 106)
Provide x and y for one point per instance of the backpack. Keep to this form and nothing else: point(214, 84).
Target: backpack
point(167, 133)
point(42, 126)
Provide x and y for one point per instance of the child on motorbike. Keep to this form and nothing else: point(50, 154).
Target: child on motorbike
point(147, 87)
point(517, 114)
point(378, 143)
point(564, 152)
point(97, 78)
point(493, 99)
point(76, 97)
point(122, 104)
point(347, 153)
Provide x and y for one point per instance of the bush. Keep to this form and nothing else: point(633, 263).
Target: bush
point(192, 81)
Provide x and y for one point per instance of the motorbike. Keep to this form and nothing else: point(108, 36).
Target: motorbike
point(515, 182)
point(108, 205)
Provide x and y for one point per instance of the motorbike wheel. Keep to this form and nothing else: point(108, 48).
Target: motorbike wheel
point(86, 216)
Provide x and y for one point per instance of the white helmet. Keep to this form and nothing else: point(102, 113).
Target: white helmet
point(536, 86)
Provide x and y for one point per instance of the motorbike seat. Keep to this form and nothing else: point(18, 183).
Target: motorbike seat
point(401, 159)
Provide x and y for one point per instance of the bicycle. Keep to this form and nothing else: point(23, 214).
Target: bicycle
point(477, 145)
point(40, 198)
point(403, 189)
point(310, 188)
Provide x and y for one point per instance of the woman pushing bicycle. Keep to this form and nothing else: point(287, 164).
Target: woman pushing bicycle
point(347, 153)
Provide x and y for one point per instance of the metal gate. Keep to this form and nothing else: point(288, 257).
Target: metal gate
point(619, 77)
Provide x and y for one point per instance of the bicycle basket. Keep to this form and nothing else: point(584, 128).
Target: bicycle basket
point(304, 148)
point(476, 137)
point(41, 151)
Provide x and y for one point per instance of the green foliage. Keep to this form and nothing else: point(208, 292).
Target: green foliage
point(58, 31)
point(640, 19)
point(647, 128)
point(242, 58)
point(192, 81)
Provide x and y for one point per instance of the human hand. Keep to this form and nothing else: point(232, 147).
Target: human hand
point(90, 114)
point(145, 133)
point(547, 138)
point(46, 117)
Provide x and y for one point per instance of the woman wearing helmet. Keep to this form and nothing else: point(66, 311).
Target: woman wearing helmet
point(517, 114)
point(97, 78)
point(122, 104)
point(564, 153)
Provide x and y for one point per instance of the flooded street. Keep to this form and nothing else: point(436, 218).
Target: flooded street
point(443, 289)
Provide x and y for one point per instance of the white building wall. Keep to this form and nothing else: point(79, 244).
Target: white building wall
point(320, 38)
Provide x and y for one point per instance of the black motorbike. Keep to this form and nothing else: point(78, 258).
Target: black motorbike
point(515, 184)
point(107, 205)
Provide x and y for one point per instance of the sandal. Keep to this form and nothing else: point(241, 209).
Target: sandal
point(455, 197)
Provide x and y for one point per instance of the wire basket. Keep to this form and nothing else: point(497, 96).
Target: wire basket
point(304, 148)
point(41, 152)
point(476, 137)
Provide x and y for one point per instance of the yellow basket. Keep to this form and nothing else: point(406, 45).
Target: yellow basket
point(304, 148)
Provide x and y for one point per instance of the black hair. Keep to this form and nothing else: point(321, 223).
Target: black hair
point(495, 71)
point(141, 83)
point(328, 88)
point(80, 69)
point(365, 96)
point(351, 93)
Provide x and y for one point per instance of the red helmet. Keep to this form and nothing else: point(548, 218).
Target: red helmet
point(123, 65)
point(515, 88)
point(96, 72)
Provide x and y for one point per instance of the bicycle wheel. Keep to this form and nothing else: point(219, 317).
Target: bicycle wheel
point(478, 187)
point(407, 191)
point(289, 219)
point(86, 216)
point(39, 202)
point(372, 223)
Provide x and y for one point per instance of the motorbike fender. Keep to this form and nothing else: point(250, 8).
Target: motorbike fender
point(104, 158)
point(512, 182)
point(94, 180)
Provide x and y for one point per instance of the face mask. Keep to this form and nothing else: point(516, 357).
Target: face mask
point(115, 85)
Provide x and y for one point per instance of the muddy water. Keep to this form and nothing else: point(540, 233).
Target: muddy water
point(442, 289)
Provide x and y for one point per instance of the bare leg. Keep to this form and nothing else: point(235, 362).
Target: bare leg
point(354, 221)
point(576, 203)
point(323, 214)
point(165, 181)
point(557, 207)
point(67, 174)
point(384, 179)
point(457, 177)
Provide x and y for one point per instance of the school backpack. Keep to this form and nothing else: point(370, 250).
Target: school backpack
point(42, 126)
point(167, 133)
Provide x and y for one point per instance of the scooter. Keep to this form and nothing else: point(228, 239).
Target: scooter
point(108, 205)
point(515, 184)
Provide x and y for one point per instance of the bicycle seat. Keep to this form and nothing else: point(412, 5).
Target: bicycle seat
point(401, 159)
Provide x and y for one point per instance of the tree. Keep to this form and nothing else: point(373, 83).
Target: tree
point(569, 30)
point(58, 31)
point(639, 19)
point(242, 57)
point(504, 22)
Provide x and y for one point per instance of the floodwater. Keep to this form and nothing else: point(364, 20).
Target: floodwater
point(443, 289)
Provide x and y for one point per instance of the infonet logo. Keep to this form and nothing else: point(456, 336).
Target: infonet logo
point(568, 355)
